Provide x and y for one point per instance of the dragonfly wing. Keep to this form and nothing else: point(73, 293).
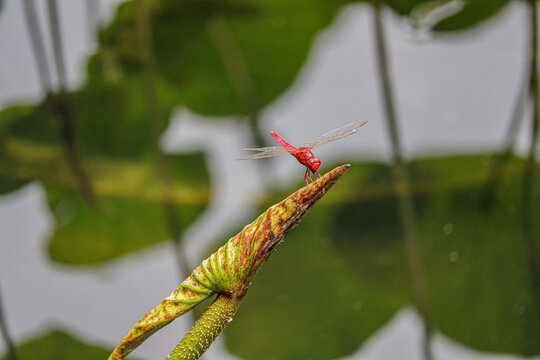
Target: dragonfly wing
point(335, 134)
point(264, 152)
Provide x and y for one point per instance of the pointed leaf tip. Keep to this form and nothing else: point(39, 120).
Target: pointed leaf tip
point(231, 268)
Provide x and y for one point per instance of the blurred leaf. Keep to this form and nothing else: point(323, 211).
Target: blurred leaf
point(473, 13)
point(59, 345)
point(131, 214)
point(221, 57)
point(404, 7)
point(427, 14)
point(109, 120)
point(449, 15)
point(118, 157)
point(475, 262)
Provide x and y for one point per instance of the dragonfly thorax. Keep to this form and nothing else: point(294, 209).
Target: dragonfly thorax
point(305, 157)
point(314, 163)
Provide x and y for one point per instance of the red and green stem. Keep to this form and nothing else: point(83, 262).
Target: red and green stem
point(227, 272)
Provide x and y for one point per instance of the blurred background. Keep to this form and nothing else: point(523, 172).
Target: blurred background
point(120, 123)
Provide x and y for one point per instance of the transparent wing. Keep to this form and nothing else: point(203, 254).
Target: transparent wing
point(335, 134)
point(265, 152)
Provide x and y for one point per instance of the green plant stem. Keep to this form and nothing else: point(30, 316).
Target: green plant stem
point(37, 45)
point(253, 122)
point(92, 17)
point(256, 131)
point(488, 193)
point(403, 187)
point(528, 182)
point(60, 105)
point(12, 354)
point(207, 328)
point(54, 23)
point(228, 272)
point(148, 64)
point(59, 108)
point(502, 158)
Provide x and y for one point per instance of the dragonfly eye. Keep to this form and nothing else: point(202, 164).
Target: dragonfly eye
point(314, 163)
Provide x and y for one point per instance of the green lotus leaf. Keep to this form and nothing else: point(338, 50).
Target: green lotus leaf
point(220, 57)
point(108, 120)
point(354, 277)
point(131, 196)
point(477, 261)
point(115, 148)
point(473, 13)
point(131, 213)
point(58, 345)
point(465, 15)
point(405, 7)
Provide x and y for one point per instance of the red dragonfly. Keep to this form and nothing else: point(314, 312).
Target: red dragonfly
point(303, 154)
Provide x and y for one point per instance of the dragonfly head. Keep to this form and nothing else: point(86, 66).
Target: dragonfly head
point(314, 164)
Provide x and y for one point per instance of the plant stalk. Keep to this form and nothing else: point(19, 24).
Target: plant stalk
point(403, 188)
point(92, 18)
point(148, 64)
point(38, 48)
point(528, 177)
point(63, 112)
point(54, 23)
point(207, 328)
point(58, 107)
point(11, 352)
point(502, 158)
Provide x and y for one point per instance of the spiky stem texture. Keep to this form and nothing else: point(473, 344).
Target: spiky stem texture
point(206, 329)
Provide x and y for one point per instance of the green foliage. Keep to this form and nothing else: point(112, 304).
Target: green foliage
point(59, 345)
point(474, 12)
point(218, 57)
point(131, 215)
point(475, 261)
point(405, 7)
point(110, 120)
point(121, 160)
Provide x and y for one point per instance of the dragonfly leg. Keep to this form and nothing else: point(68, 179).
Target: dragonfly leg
point(307, 176)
